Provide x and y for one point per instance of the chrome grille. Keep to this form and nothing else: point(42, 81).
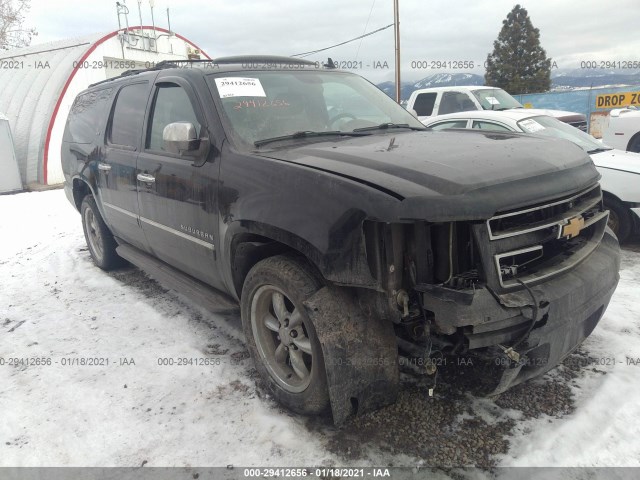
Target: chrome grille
point(541, 217)
point(532, 244)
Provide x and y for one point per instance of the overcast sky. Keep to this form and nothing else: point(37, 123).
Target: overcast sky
point(431, 30)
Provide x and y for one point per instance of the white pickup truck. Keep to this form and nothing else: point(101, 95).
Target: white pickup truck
point(429, 102)
point(623, 131)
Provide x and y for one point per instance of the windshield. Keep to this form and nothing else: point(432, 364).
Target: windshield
point(552, 127)
point(495, 99)
point(267, 105)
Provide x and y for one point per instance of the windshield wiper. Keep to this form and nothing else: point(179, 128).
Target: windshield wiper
point(388, 125)
point(499, 109)
point(306, 134)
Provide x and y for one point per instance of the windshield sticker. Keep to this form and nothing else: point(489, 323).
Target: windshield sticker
point(531, 126)
point(259, 104)
point(493, 101)
point(239, 87)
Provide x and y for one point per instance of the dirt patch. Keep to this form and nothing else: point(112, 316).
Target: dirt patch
point(215, 349)
point(136, 278)
point(234, 387)
point(449, 430)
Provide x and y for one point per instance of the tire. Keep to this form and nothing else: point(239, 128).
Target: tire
point(620, 220)
point(634, 144)
point(102, 245)
point(280, 336)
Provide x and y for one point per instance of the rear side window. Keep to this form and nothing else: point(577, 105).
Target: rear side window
point(128, 115)
point(450, 124)
point(455, 102)
point(171, 105)
point(87, 115)
point(490, 126)
point(424, 104)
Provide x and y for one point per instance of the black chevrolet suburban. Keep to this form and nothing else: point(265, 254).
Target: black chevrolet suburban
point(351, 237)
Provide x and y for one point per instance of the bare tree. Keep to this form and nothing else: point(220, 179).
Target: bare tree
point(12, 32)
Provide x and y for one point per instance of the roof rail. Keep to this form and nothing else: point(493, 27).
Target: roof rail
point(262, 59)
point(243, 59)
point(171, 63)
point(128, 73)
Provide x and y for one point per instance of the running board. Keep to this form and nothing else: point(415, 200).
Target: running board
point(204, 295)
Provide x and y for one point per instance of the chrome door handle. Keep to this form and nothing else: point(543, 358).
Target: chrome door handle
point(146, 178)
point(104, 167)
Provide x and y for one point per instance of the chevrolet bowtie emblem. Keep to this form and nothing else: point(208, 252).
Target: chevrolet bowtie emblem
point(573, 228)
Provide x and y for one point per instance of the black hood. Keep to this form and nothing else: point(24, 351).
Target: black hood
point(459, 172)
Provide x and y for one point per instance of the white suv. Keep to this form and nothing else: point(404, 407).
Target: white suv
point(623, 131)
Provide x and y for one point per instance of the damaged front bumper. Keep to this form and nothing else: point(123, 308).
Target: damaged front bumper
point(567, 309)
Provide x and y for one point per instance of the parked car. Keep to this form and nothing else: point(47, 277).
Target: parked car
point(431, 102)
point(350, 235)
point(623, 131)
point(620, 170)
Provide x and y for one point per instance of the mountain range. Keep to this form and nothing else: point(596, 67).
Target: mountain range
point(561, 79)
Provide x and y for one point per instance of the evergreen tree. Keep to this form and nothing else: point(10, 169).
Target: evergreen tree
point(518, 63)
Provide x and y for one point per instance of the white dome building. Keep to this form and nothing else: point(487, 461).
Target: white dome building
point(39, 83)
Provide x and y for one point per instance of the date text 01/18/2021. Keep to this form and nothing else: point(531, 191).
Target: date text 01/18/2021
point(338, 472)
point(24, 362)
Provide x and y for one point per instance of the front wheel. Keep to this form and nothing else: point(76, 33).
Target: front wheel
point(634, 144)
point(620, 220)
point(280, 335)
point(102, 245)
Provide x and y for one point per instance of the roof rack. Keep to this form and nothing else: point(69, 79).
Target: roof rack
point(261, 59)
point(172, 63)
point(128, 73)
point(242, 59)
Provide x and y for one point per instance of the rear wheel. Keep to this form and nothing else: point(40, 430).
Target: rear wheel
point(620, 220)
point(280, 335)
point(102, 245)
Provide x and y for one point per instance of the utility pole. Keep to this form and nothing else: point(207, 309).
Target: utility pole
point(396, 31)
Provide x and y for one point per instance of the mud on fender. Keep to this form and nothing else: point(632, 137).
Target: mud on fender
point(360, 353)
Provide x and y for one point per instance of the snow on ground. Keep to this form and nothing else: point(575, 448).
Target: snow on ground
point(605, 427)
point(57, 306)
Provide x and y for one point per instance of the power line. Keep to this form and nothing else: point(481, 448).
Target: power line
point(365, 27)
point(306, 54)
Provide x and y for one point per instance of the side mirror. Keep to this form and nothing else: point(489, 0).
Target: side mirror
point(180, 137)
